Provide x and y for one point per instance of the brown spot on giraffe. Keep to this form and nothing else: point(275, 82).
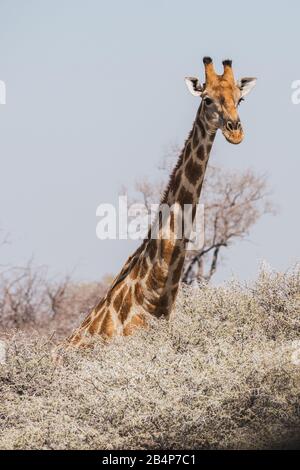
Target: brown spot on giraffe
point(152, 249)
point(194, 210)
point(201, 153)
point(135, 271)
point(185, 197)
point(107, 328)
point(93, 327)
point(193, 171)
point(143, 268)
point(138, 292)
point(172, 222)
point(126, 305)
point(177, 271)
point(165, 299)
point(175, 254)
point(119, 298)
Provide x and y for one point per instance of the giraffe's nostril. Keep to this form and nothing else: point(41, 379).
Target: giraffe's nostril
point(233, 126)
point(229, 126)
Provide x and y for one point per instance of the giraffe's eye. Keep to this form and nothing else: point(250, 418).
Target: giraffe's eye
point(240, 100)
point(208, 101)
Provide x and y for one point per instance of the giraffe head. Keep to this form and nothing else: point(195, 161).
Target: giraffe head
point(221, 95)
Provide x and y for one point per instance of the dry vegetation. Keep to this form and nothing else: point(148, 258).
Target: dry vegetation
point(30, 301)
point(223, 373)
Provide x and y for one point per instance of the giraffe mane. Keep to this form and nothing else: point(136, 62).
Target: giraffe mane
point(170, 184)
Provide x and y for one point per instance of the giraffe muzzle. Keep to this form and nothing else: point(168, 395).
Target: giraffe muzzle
point(233, 131)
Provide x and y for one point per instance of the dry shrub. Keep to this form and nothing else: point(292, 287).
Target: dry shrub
point(22, 299)
point(77, 300)
point(224, 372)
point(30, 301)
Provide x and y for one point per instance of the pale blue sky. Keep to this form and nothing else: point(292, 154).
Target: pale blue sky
point(95, 93)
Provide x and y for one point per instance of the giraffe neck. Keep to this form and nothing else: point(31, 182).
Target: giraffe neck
point(161, 259)
point(184, 186)
point(187, 177)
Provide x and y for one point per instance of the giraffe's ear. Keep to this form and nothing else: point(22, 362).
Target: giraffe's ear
point(194, 86)
point(245, 85)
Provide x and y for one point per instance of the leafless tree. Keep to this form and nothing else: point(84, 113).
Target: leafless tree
point(233, 203)
point(22, 297)
point(29, 299)
point(56, 293)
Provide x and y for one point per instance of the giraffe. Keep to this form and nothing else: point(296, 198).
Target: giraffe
point(148, 282)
